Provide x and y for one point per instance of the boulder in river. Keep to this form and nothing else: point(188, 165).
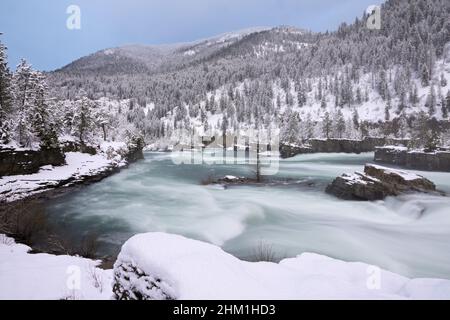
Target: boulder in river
point(377, 183)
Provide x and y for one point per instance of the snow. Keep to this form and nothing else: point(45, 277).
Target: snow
point(25, 276)
point(190, 53)
point(190, 269)
point(108, 52)
point(78, 165)
point(394, 148)
point(408, 176)
point(355, 178)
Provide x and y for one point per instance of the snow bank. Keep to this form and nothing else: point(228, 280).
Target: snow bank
point(78, 165)
point(163, 266)
point(25, 276)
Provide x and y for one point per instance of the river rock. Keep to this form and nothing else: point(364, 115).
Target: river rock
point(377, 183)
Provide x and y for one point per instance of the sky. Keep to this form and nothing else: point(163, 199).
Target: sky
point(37, 29)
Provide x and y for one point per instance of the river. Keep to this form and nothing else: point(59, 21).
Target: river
point(409, 235)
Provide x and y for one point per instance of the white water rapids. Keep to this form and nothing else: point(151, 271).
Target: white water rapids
point(409, 235)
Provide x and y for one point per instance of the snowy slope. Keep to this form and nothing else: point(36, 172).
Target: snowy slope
point(25, 276)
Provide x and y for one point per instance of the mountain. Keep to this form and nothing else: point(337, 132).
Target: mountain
point(347, 83)
point(133, 59)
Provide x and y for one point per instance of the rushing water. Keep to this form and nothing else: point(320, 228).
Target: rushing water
point(409, 235)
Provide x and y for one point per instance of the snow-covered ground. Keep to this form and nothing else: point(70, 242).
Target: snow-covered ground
point(25, 276)
point(189, 269)
point(78, 165)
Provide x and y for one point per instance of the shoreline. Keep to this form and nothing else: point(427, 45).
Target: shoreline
point(37, 198)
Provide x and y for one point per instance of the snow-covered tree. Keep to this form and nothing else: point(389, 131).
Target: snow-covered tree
point(327, 125)
point(425, 76)
point(290, 132)
point(83, 119)
point(340, 124)
point(24, 84)
point(6, 98)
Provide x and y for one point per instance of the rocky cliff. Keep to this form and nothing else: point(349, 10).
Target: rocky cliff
point(419, 160)
point(368, 144)
point(16, 162)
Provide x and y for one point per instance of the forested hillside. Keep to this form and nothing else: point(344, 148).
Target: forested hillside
point(349, 83)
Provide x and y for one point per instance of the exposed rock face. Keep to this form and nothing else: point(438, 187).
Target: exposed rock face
point(135, 151)
point(131, 283)
point(73, 146)
point(436, 161)
point(14, 162)
point(289, 151)
point(368, 144)
point(377, 183)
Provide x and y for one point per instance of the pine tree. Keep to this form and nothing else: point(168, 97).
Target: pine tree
point(309, 127)
point(103, 120)
point(431, 101)
point(290, 132)
point(425, 76)
point(387, 114)
point(358, 96)
point(83, 119)
point(25, 91)
point(387, 110)
point(364, 128)
point(414, 96)
point(320, 91)
point(447, 101)
point(6, 99)
point(355, 119)
point(327, 125)
point(301, 97)
point(340, 124)
point(43, 126)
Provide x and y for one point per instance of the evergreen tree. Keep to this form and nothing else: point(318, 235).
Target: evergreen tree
point(43, 126)
point(290, 132)
point(340, 124)
point(6, 98)
point(327, 125)
point(355, 119)
point(447, 101)
point(323, 102)
point(24, 87)
point(83, 119)
point(425, 76)
point(103, 120)
point(431, 101)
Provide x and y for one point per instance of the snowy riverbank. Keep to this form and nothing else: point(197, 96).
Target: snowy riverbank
point(189, 269)
point(79, 167)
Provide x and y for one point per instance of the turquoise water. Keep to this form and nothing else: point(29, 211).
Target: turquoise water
point(409, 235)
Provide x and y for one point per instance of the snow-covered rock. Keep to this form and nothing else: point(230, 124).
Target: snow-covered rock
point(163, 266)
point(25, 276)
point(376, 183)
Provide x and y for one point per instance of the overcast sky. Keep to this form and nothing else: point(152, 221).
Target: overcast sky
point(36, 30)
